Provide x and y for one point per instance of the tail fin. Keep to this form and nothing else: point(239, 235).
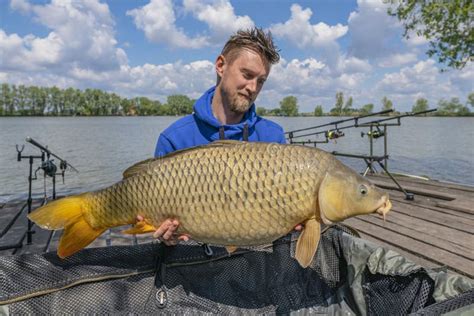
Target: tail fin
point(67, 214)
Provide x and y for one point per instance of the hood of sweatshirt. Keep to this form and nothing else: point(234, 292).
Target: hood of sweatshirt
point(203, 111)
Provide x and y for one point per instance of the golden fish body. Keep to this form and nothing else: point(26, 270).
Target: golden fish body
point(227, 192)
point(233, 195)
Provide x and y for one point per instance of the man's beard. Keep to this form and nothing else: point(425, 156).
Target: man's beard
point(239, 104)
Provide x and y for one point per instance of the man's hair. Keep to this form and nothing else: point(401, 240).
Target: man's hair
point(254, 39)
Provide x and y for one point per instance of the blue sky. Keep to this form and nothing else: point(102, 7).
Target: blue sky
point(156, 48)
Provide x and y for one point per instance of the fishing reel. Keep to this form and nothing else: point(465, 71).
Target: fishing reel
point(334, 134)
point(373, 134)
point(49, 167)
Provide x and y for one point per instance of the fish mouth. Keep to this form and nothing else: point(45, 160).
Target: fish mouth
point(384, 208)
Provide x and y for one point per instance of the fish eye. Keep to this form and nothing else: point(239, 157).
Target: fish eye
point(363, 189)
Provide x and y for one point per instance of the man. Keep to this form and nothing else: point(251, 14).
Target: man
point(227, 111)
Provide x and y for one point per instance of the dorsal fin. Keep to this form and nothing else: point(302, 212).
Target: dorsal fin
point(145, 164)
point(138, 167)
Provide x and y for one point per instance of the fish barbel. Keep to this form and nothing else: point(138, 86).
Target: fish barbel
point(227, 192)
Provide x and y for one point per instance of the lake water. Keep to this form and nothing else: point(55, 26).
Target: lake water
point(102, 147)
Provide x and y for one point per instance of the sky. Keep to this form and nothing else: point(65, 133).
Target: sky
point(157, 48)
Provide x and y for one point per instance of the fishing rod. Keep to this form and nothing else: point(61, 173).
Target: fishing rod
point(397, 117)
point(370, 123)
point(64, 164)
point(356, 119)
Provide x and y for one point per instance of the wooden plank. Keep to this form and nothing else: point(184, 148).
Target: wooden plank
point(418, 191)
point(449, 218)
point(429, 183)
point(426, 202)
point(460, 206)
point(449, 234)
point(423, 235)
point(439, 218)
point(440, 256)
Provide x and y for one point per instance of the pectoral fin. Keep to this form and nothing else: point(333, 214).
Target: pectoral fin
point(140, 227)
point(308, 242)
point(231, 249)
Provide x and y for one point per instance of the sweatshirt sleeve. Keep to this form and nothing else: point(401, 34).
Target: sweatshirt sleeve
point(163, 146)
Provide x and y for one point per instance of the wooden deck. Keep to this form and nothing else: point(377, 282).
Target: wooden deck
point(435, 230)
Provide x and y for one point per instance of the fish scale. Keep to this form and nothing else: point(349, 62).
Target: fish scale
point(228, 192)
point(229, 177)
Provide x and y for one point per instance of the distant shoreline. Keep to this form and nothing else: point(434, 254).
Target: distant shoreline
point(49, 116)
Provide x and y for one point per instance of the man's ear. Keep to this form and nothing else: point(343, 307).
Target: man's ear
point(220, 65)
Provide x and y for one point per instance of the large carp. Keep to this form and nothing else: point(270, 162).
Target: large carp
point(228, 192)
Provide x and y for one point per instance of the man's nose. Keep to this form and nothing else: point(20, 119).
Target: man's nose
point(252, 86)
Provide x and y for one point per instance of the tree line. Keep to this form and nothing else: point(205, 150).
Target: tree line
point(289, 107)
point(52, 101)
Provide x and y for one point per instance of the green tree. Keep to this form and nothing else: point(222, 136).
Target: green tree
point(446, 24)
point(275, 112)
point(261, 111)
point(386, 104)
point(115, 101)
point(420, 105)
point(55, 100)
point(367, 109)
point(470, 99)
point(39, 99)
point(348, 106)
point(127, 107)
point(464, 111)
point(179, 104)
point(318, 110)
point(11, 110)
point(449, 108)
point(6, 98)
point(22, 100)
point(289, 106)
point(337, 109)
point(146, 106)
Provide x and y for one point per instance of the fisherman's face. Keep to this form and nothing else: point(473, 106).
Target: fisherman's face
point(242, 79)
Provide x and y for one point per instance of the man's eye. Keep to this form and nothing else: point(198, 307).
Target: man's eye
point(247, 76)
point(261, 81)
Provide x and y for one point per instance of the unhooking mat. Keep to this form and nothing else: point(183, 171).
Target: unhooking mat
point(349, 276)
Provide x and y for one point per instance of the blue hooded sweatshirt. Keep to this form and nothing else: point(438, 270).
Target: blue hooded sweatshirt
point(202, 127)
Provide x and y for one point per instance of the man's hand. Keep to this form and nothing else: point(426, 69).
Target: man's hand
point(166, 232)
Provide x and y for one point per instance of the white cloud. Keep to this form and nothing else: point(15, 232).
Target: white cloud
point(299, 30)
point(313, 82)
point(82, 35)
point(157, 19)
point(158, 81)
point(463, 79)
point(219, 16)
point(397, 60)
point(351, 65)
point(20, 5)
point(415, 40)
point(372, 31)
point(425, 80)
point(411, 79)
